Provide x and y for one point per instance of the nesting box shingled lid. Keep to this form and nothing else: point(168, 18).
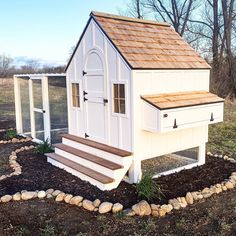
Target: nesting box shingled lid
point(181, 99)
point(146, 44)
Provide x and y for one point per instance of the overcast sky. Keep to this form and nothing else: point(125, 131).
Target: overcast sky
point(46, 29)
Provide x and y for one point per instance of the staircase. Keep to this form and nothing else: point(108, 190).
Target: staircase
point(99, 164)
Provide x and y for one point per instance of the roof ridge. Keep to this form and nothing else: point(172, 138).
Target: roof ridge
point(130, 19)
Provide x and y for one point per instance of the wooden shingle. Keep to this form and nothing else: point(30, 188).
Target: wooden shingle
point(181, 99)
point(149, 44)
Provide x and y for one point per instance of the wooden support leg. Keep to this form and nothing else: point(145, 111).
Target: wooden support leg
point(202, 154)
point(135, 171)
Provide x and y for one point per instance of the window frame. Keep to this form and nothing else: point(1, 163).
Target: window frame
point(124, 115)
point(79, 95)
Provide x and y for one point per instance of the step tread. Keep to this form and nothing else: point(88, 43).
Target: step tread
point(82, 169)
point(88, 156)
point(101, 146)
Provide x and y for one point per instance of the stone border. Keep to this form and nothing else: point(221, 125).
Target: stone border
point(142, 208)
point(17, 169)
point(16, 140)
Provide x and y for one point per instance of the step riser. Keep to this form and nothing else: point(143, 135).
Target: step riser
point(94, 166)
point(106, 155)
point(82, 176)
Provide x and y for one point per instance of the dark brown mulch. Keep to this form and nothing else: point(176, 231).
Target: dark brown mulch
point(215, 217)
point(38, 174)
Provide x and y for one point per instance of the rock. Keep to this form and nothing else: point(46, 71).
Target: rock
point(49, 196)
point(16, 197)
point(96, 203)
point(95, 209)
point(232, 160)
point(55, 193)
point(197, 196)
point(60, 197)
point(6, 198)
point(88, 205)
point(175, 203)
point(117, 207)
point(205, 190)
point(209, 154)
point(3, 177)
point(161, 212)
point(207, 195)
point(76, 200)
point(129, 212)
point(155, 207)
point(50, 191)
point(28, 195)
point(220, 156)
point(68, 197)
point(225, 157)
point(189, 198)
point(41, 194)
point(167, 208)
point(155, 213)
point(224, 188)
point(142, 208)
point(15, 140)
point(105, 207)
point(233, 174)
point(229, 185)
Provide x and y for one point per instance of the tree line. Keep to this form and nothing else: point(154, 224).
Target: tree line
point(8, 69)
point(208, 25)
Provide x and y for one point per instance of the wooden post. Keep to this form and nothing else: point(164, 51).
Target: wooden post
point(18, 113)
point(135, 171)
point(202, 154)
point(32, 117)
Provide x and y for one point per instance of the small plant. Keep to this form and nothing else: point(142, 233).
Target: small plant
point(11, 133)
point(148, 188)
point(48, 230)
point(44, 147)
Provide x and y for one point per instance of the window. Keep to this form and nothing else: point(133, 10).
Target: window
point(75, 95)
point(119, 98)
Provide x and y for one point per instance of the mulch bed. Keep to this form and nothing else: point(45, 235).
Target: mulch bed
point(38, 174)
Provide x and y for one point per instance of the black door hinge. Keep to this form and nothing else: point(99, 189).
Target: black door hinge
point(84, 73)
point(84, 93)
point(85, 99)
point(105, 100)
point(175, 125)
point(86, 135)
point(212, 117)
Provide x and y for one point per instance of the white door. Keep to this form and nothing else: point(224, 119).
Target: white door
point(95, 98)
point(39, 109)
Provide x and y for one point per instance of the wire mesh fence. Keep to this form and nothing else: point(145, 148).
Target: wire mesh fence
point(7, 103)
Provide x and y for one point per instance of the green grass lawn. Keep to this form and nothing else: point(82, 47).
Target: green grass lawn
point(222, 136)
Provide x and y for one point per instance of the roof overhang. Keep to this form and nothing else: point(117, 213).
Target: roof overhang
point(167, 101)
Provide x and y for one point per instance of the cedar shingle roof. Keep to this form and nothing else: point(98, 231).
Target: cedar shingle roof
point(148, 44)
point(181, 99)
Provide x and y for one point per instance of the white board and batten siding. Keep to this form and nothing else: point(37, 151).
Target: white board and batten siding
point(117, 130)
point(152, 143)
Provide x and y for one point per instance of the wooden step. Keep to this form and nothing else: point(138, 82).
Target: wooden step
point(82, 169)
point(101, 146)
point(87, 156)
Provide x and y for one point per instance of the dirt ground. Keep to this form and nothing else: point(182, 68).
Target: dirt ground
point(214, 216)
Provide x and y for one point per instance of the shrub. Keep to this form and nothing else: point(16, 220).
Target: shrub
point(11, 133)
point(149, 189)
point(44, 147)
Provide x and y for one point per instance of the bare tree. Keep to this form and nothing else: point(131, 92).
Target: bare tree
point(228, 9)
point(5, 65)
point(135, 8)
point(31, 66)
point(177, 12)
